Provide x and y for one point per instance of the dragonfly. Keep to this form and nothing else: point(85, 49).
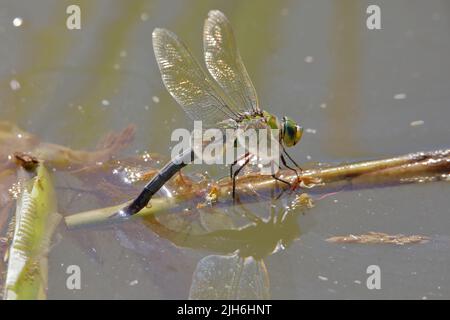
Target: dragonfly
point(226, 95)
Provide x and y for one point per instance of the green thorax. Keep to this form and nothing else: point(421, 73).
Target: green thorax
point(271, 120)
point(253, 120)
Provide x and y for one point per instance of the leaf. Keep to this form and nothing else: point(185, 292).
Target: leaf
point(36, 219)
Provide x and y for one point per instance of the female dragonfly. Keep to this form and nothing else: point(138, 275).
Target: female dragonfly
point(231, 98)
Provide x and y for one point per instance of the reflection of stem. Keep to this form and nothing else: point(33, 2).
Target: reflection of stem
point(410, 168)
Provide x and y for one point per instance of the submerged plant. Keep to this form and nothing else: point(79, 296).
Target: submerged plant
point(35, 221)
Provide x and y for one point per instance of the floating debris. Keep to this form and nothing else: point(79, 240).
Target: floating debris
point(134, 282)
point(15, 189)
point(25, 160)
point(303, 200)
point(14, 84)
point(323, 105)
point(400, 96)
point(213, 195)
point(144, 16)
point(105, 102)
point(309, 130)
point(309, 59)
point(379, 238)
point(155, 99)
point(129, 175)
point(146, 156)
point(416, 123)
point(310, 182)
point(210, 199)
point(17, 22)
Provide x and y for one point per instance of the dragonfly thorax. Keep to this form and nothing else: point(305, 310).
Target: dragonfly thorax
point(290, 132)
point(271, 120)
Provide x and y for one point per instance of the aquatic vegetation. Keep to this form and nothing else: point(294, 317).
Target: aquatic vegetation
point(35, 221)
point(14, 140)
point(379, 238)
point(17, 144)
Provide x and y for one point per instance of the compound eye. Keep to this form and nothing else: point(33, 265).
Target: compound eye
point(298, 134)
point(290, 132)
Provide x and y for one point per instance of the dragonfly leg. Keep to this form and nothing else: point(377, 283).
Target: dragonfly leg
point(292, 160)
point(276, 178)
point(236, 161)
point(281, 180)
point(283, 160)
point(235, 175)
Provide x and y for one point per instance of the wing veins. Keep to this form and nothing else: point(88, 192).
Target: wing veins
point(188, 84)
point(225, 64)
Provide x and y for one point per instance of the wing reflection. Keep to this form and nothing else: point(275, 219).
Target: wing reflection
point(238, 270)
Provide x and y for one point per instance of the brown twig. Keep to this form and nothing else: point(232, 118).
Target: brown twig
point(379, 238)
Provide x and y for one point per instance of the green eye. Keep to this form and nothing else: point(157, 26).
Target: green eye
point(292, 132)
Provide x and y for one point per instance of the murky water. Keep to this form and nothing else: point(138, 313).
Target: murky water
point(359, 93)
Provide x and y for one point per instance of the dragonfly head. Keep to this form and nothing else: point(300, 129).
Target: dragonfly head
point(291, 132)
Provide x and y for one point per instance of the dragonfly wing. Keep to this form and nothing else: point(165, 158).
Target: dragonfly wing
point(225, 64)
point(188, 84)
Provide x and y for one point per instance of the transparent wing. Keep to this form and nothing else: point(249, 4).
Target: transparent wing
point(188, 84)
point(225, 64)
point(230, 277)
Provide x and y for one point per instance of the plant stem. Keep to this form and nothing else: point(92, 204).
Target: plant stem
point(410, 168)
